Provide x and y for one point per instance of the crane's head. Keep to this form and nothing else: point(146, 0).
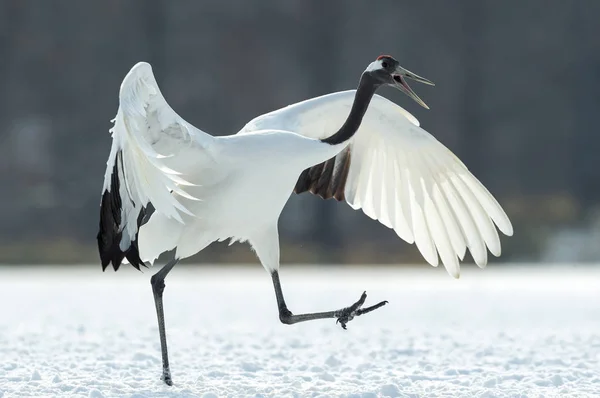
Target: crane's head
point(386, 70)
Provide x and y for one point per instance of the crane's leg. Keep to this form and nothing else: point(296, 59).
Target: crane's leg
point(343, 315)
point(266, 245)
point(158, 287)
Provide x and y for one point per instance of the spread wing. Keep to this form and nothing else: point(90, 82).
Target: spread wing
point(146, 135)
point(399, 174)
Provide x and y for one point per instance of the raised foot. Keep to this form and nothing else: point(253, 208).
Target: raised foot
point(166, 377)
point(345, 315)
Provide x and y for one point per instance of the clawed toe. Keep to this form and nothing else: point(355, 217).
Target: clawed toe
point(345, 315)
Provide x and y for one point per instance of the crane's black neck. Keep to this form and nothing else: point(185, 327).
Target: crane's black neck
point(366, 88)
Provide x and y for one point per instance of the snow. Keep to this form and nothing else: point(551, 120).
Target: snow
point(499, 332)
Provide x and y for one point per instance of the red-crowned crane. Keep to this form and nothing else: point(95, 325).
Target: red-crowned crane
point(169, 185)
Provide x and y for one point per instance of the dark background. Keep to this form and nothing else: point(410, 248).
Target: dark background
point(516, 98)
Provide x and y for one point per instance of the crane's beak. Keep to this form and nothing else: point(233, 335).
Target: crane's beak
point(400, 75)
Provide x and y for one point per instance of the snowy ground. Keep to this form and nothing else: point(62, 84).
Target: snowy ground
point(493, 333)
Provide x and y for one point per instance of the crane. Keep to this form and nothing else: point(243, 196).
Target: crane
point(169, 185)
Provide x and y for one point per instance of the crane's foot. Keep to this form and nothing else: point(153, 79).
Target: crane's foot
point(345, 315)
point(166, 377)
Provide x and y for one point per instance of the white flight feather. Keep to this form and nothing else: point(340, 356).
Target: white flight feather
point(405, 178)
point(143, 119)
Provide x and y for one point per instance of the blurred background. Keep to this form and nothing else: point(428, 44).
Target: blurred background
point(517, 97)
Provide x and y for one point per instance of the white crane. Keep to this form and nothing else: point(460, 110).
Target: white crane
point(169, 185)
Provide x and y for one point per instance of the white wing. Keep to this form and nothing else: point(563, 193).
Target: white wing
point(145, 134)
point(400, 175)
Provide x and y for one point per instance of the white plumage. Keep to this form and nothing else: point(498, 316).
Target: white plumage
point(403, 177)
point(169, 185)
point(207, 188)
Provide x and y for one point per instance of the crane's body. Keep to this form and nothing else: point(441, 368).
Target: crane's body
point(169, 185)
point(239, 197)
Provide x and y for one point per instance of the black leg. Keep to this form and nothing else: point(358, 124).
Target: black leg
point(158, 287)
point(343, 315)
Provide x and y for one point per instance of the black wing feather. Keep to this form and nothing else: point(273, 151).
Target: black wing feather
point(110, 228)
point(327, 179)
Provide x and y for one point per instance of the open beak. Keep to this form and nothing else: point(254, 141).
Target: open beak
point(400, 75)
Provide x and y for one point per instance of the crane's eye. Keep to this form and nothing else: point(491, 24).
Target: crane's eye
point(384, 64)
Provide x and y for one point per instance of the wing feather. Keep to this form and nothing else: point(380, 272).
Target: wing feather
point(473, 238)
point(423, 238)
point(440, 201)
point(404, 217)
point(146, 133)
point(400, 175)
point(482, 220)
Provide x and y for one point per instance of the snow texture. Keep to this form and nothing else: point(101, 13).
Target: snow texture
point(499, 332)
